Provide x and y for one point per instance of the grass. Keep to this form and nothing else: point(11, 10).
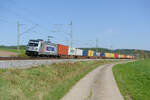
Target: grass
point(20, 54)
point(133, 79)
point(50, 82)
point(12, 50)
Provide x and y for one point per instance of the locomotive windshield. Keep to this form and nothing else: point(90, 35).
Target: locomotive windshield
point(33, 44)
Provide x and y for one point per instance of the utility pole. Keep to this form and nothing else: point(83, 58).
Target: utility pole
point(18, 36)
point(71, 41)
point(97, 44)
point(49, 38)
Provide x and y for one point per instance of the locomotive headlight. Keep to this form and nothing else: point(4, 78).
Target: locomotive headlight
point(36, 48)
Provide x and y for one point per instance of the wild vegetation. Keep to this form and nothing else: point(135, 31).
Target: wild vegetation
point(49, 82)
point(134, 79)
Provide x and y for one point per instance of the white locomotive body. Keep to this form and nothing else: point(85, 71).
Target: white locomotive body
point(41, 48)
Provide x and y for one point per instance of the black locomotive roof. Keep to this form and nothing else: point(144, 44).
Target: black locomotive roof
point(36, 40)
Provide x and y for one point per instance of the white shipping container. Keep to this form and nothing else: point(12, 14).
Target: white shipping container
point(128, 57)
point(79, 52)
point(98, 53)
point(71, 51)
point(121, 56)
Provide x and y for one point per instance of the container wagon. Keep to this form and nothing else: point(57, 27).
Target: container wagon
point(116, 56)
point(71, 51)
point(79, 53)
point(85, 53)
point(62, 51)
point(102, 55)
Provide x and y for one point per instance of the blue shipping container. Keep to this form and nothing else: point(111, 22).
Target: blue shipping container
point(95, 54)
point(85, 52)
point(102, 54)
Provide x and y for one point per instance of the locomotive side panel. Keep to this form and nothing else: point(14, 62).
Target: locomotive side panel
point(48, 49)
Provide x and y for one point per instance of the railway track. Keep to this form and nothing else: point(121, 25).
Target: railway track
point(26, 58)
point(38, 58)
point(44, 58)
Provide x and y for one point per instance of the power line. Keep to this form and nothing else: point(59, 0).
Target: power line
point(71, 41)
point(28, 29)
point(27, 20)
point(38, 25)
point(20, 34)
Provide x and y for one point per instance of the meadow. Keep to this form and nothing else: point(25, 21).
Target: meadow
point(133, 79)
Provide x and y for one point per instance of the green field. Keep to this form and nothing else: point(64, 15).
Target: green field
point(45, 82)
point(133, 79)
point(11, 50)
point(21, 53)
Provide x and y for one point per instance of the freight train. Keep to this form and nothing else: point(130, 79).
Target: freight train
point(46, 48)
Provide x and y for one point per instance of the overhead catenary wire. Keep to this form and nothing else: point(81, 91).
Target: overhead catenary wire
point(29, 29)
point(28, 20)
point(40, 26)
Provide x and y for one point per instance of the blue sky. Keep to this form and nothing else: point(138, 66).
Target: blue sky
point(115, 23)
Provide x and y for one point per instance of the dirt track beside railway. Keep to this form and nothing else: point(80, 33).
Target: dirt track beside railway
point(7, 54)
point(97, 85)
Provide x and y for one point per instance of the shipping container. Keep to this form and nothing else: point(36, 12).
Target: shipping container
point(121, 56)
point(124, 56)
point(71, 51)
point(95, 53)
point(102, 54)
point(79, 52)
point(85, 52)
point(116, 56)
point(62, 49)
point(98, 54)
point(109, 55)
point(112, 55)
point(90, 53)
point(127, 57)
point(130, 57)
point(133, 57)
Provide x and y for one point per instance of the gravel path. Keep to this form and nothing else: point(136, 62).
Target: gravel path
point(30, 63)
point(97, 85)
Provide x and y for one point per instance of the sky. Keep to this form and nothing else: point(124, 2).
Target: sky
point(115, 24)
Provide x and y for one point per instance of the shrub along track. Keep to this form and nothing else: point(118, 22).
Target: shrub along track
point(49, 82)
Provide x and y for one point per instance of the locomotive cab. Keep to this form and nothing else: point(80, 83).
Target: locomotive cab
point(33, 47)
